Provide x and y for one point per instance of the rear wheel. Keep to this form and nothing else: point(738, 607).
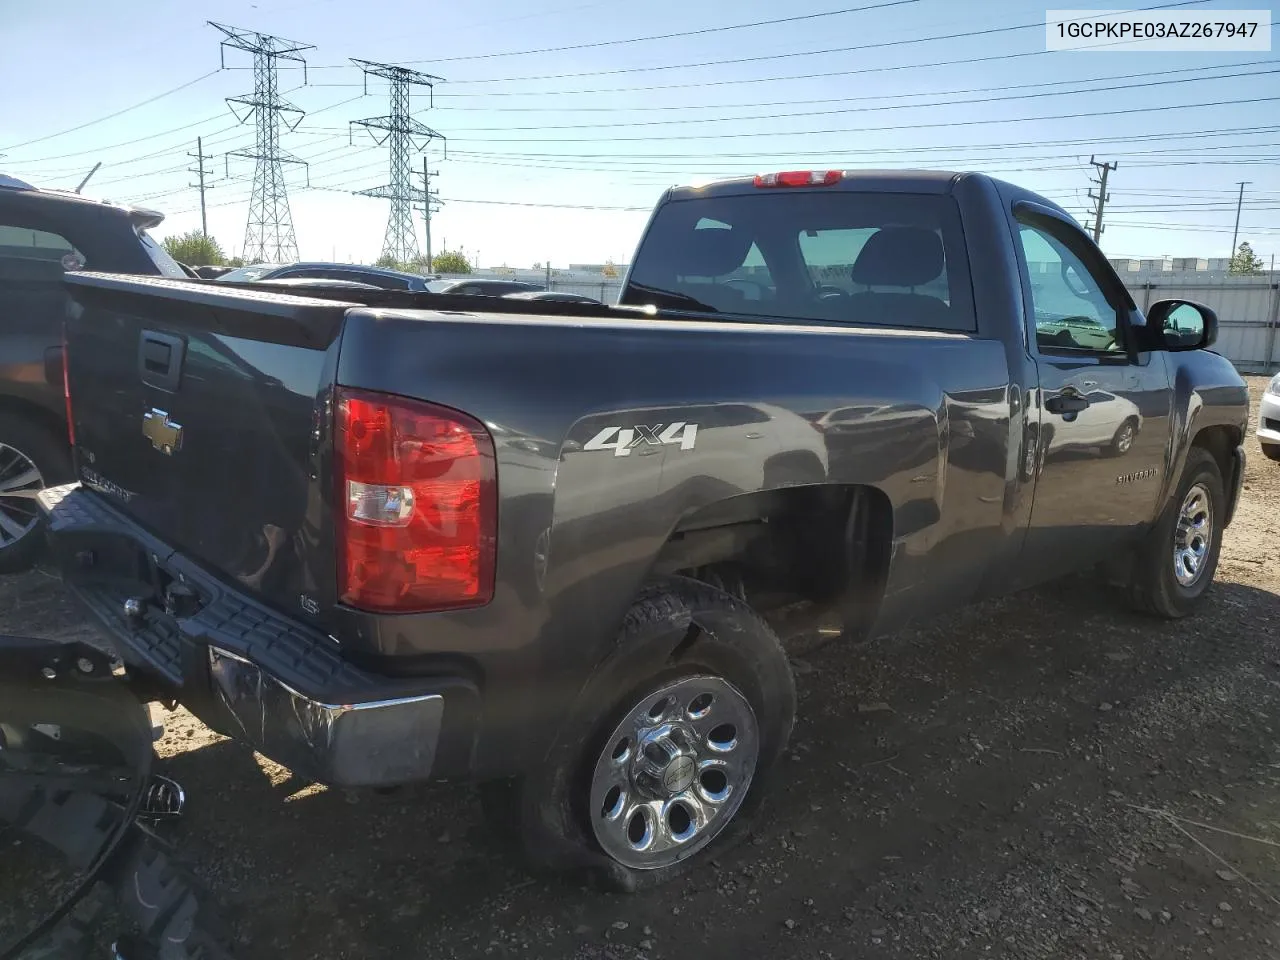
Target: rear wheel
point(1271, 451)
point(1174, 566)
point(674, 739)
point(30, 459)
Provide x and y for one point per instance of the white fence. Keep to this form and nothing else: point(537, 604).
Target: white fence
point(1248, 311)
point(1248, 308)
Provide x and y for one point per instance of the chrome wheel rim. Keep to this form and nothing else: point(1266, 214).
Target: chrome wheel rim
point(1193, 535)
point(673, 773)
point(20, 481)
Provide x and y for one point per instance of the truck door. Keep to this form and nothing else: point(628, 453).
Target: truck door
point(1103, 408)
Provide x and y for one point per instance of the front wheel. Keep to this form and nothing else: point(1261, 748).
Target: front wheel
point(674, 739)
point(1271, 451)
point(1175, 564)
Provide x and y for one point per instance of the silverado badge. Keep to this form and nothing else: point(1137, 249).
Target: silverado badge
point(164, 434)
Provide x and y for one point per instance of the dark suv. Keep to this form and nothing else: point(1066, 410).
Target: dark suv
point(43, 234)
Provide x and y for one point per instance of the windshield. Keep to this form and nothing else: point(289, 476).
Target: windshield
point(167, 266)
point(866, 258)
point(244, 274)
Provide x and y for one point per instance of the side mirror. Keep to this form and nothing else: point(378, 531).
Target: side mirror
point(1175, 325)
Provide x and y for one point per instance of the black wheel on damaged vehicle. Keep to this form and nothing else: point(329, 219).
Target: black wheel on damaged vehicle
point(31, 458)
point(670, 748)
point(1175, 564)
point(1271, 451)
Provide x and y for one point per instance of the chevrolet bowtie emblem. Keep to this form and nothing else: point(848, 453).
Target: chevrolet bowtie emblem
point(164, 434)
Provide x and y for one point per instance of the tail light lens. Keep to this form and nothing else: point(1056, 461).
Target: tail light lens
point(417, 505)
point(66, 391)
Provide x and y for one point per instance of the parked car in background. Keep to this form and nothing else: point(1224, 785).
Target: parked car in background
point(318, 283)
point(211, 272)
point(1269, 420)
point(374, 276)
point(556, 296)
point(44, 234)
point(482, 287)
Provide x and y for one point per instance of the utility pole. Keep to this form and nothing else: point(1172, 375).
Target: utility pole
point(430, 205)
point(268, 235)
point(1235, 234)
point(404, 134)
point(1101, 197)
point(200, 172)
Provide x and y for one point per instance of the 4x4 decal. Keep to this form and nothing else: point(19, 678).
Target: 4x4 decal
point(622, 440)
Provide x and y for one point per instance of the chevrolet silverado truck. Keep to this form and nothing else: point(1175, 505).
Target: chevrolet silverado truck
point(388, 537)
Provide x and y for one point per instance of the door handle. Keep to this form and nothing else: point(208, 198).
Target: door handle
point(160, 359)
point(1066, 403)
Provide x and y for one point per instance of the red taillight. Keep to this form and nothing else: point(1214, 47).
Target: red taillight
point(66, 391)
point(799, 178)
point(417, 506)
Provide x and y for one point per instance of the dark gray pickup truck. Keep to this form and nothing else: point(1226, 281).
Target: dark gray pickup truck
point(402, 536)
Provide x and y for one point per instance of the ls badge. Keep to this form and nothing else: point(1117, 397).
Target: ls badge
point(164, 434)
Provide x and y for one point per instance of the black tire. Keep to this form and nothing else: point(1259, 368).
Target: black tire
point(21, 437)
point(1154, 587)
point(1122, 442)
point(676, 628)
point(1271, 450)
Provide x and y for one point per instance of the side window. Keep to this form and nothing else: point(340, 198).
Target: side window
point(1071, 310)
point(27, 254)
point(376, 279)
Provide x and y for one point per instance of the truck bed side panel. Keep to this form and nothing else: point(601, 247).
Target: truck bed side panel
point(922, 417)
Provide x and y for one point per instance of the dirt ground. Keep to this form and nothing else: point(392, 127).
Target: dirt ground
point(1043, 776)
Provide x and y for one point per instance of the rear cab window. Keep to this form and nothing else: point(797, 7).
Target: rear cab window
point(864, 258)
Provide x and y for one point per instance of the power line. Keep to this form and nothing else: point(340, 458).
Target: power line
point(826, 152)
point(857, 48)
point(873, 109)
point(649, 108)
point(672, 36)
point(112, 116)
point(891, 128)
point(269, 230)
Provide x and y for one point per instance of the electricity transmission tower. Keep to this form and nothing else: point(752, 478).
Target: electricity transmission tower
point(269, 235)
point(1101, 197)
point(405, 135)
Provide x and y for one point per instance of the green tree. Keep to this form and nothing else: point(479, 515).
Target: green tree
point(388, 262)
point(1245, 260)
point(451, 261)
point(234, 262)
point(195, 249)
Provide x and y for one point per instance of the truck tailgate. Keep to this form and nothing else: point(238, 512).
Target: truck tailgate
point(197, 412)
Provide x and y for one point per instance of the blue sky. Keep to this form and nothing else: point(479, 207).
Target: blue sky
point(535, 138)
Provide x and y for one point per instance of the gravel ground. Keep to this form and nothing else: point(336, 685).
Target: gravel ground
point(1047, 775)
